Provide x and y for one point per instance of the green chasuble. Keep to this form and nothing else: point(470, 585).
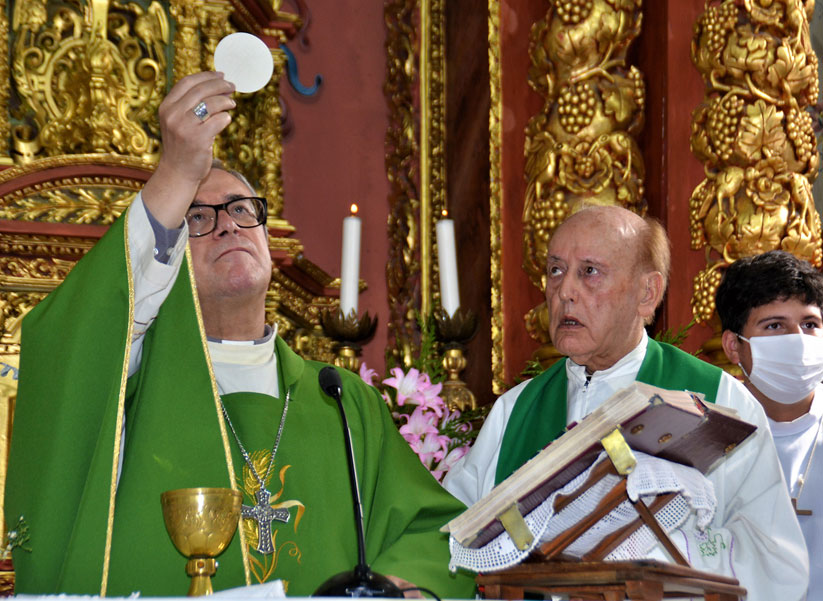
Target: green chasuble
point(539, 415)
point(63, 456)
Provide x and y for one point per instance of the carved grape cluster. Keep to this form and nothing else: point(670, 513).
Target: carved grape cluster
point(639, 88)
point(801, 133)
point(717, 21)
point(705, 287)
point(549, 213)
point(571, 12)
point(723, 124)
point(697, 238)
point(576, 107)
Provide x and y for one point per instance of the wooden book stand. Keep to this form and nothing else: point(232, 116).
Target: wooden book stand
point(547, 571)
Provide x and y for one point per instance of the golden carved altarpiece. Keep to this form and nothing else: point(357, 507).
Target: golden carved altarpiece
point(80, 137)
point(754, 135)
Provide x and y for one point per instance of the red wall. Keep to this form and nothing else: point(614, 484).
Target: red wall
point(334, 155)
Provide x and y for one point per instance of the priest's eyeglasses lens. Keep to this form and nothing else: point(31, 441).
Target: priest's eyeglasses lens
point(245, 212)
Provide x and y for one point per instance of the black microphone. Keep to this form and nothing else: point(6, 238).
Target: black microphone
point(360, 582)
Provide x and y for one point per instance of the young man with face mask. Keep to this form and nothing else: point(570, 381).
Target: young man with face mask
point(770, 309)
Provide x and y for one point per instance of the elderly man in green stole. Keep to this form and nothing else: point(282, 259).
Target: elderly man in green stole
point(606, 274)
point(150, 370)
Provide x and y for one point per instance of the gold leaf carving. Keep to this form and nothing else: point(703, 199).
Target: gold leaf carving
point(13, 307)
point(90, 205)
point(89, 79)
point(791, 70)
point(754, 136)
point(762, 133)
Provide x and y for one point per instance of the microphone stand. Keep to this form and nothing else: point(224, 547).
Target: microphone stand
point(360, 582)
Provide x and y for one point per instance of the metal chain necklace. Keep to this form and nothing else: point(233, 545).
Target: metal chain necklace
point(262, 512)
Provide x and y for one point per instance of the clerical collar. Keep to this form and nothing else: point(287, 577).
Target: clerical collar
point(632, 359)
point(249, 367)
point(268, 334)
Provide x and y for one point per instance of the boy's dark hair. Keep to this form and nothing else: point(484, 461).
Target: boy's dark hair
point(758, 280)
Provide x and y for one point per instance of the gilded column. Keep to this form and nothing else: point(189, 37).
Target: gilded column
point(187, 45)
point(581, 148)
point(402, 163)
point(754, 135)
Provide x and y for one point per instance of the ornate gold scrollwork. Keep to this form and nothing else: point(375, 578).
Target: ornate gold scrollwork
point(580, 148)
point(98, 205)
point(754, 136)
point(88, 82)
point(188, 46)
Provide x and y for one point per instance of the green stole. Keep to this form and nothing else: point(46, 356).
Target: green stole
point(539, 416)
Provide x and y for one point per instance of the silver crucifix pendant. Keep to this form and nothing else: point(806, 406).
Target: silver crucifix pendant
point(264, 514)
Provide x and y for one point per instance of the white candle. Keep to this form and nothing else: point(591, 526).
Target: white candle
point(350, 264)
point(447, 262)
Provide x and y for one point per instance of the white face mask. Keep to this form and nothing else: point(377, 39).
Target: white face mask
point(786, 368)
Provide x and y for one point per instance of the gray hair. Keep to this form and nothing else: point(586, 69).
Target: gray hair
point(218, 164)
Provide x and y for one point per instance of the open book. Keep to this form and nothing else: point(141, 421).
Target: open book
point(674, 425)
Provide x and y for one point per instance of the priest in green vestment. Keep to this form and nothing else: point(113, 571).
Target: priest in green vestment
point(151, 368)
point(607, 271)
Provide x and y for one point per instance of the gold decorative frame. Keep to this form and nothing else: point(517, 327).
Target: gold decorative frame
point(496, 199)
point(415, 144)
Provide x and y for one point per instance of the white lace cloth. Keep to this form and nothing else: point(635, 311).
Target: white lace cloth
point(650, 477)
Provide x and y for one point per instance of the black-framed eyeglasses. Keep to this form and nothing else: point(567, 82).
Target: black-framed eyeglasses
point(246, 211)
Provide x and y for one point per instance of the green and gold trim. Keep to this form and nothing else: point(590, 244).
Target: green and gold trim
point(216, 396)
point(121, 405)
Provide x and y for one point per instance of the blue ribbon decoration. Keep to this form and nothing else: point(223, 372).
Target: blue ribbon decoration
point(294, 79)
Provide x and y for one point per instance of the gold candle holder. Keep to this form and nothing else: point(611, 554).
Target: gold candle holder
point(201, 523)
point(454, 331)
point(349, 333)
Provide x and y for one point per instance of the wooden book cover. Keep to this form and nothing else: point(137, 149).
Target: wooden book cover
point(674, 425)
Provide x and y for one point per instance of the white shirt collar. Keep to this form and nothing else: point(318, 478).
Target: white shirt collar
point(585, 394)
point(630, 362)
point(802, 423)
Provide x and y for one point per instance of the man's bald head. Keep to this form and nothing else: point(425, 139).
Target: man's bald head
point(643, 236)
point(606, 272)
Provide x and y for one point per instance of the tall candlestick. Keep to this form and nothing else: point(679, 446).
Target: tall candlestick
point(447, 262)
point(350, 263)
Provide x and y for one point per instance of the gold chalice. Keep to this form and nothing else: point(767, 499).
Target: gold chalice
point(201, 523)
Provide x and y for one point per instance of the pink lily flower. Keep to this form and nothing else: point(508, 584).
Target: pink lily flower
point(430, 448)
point(428, 396)
point(406, 385)
point(448, 462)
point(367, 375)
point(417, 425)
